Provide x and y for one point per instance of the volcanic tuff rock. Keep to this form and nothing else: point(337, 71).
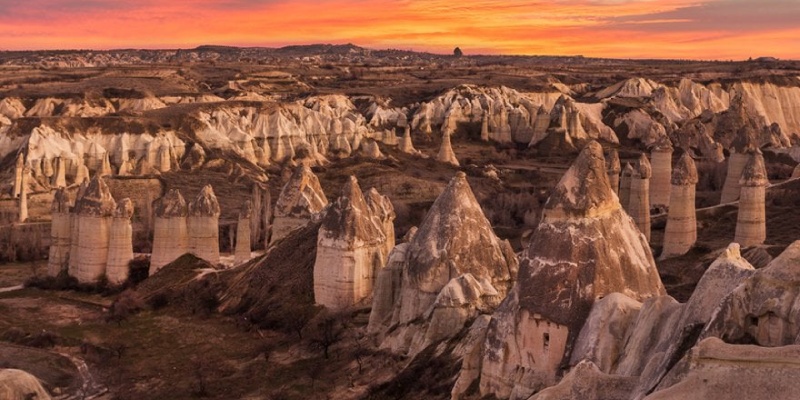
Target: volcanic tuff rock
point(446, 154)
point(614, 168)
point(120, 243)
point(681, 231)
point(93, 214)
point(661, 161)
point(16, 384)
point(170, 235)
point(59, 233)
point(625, 186)
point(639, 202)
point(202, 224)
point(243, 246)
point(751, 225)
point(350, 250)
point(454, 248)
point(585, 248)
point(301, 199)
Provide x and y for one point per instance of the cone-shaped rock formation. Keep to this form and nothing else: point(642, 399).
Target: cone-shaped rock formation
point(751, 225)
point(300, 200)
point(170, 235)
point(681, 231)
point(202, 224)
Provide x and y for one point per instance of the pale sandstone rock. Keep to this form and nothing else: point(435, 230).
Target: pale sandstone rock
point(680, 233)
point(82, 174)
point(614, 168)
point(349, 250)
point(20, 164)
point(585, 248)
point(625, 187)
point(454, 239)
point(382, 212)
point(23, 196)
point(370, 149)
point(661, 161)
point(94, 213)
point(60, 176)
point(639, 203)
point(16, 384)
point(170, 235)
point(471, 352)
point(796, 171)
point(59, 234)
point(406, 144)
point(586, 381)
point(751, 225)
point(242, 251)
point(301, 199)
point(202, 224)
point(731, 188)
point(446, 154)
point(120, 243)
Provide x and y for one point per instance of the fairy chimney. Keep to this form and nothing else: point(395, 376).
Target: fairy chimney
point(170, 235)
point(120, 243)
point(203, 225)
point(751, 227)
point(681, 231)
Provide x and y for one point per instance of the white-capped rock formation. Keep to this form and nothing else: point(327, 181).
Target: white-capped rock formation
point(584, 249)
point(751, 224)
point(639, 203)
point(120, 243)
point(453, 269)
point(350, 250)
point(170, 234)
point(614, 169)
point(202, 223)
point(94, 212)
point(59, 233)
point(300, 200)
point(243, 246)
point(661, 162)
point(681, 231)
point(446, 154)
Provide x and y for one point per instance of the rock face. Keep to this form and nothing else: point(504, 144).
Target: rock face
point(350, 250)
point(585, 248)
point(681, 231)
point(453, 269)
point(59, 234)
point(94, 212)
point(446, 154)
point(625, 187)
point(170, 235)
point(614, 168)
point(406, 144)
point(19, 385)
point(20, 164)
point(300, 200)
point(243, 248)
point(639, 203)
point(23, 196)
point(731, 188)
point(202, 224)
point(661, 163)
point(751, 225)
point(120, 243)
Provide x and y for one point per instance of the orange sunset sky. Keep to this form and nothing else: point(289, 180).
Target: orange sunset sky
point(705, 29)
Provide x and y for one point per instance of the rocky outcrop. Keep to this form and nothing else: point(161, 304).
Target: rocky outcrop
point(454, 269)
point(614, 168)
point(625, 186)
point(584, 249)
point(18, 167)
point(446, 154)
point(23, 196)
point(243, 246)
point(350, 250)
point(59, 234)
point(170, 234)
point(301, 199)
point(681, 231)
point(16, 384)
point(731, 187)
point(93, 212)
point(406, 144)
point(202, 223)
point(661, 162)
point(751, 224)
point(639, 203)
point(120, 243)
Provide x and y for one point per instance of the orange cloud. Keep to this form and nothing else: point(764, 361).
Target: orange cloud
point(600, 28)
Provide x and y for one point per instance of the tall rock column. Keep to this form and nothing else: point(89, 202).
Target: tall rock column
point(120, 243)
point(203, 225)
point(730, 189)
point(614, 168)
point(446, 154)
point(170, 235)
point(661, 161)
point(18, 167)
point(751, 225)
point(349, 246)
point(60, 177)
point(59, 234)
point(301, 199)
point(625, 187)
point(242, 252)
point(639, 207)
point(681, 231)
point(23, 195)
point(74, 229)
point(94, 213)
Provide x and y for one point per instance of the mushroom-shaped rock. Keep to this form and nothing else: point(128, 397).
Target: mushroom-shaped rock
point(170, 235)
point(59, 233)
point(751, 225)
point(639, 203)
point(300, 200)
point(661, 155)
point(349, 250)
point(120, 243)
point(203, 225)
point(94, 212)
point(584, 249)
point(681, 231)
